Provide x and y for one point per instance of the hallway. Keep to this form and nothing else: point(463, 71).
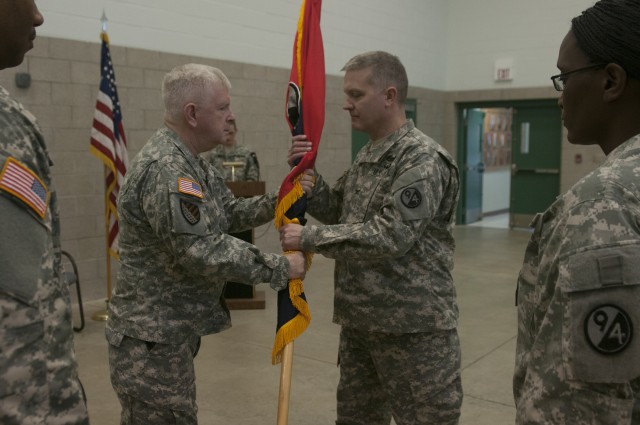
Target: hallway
point(238, 386)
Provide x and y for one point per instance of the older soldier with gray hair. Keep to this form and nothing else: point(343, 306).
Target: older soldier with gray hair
point(38, 372)
point(578, 349)
point(388, 223)
point(175, 252)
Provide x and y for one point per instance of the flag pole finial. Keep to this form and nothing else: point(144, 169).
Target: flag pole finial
point(103, 19)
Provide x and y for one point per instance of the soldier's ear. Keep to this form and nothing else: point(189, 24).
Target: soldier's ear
point(391, 94)
point(190, 114)
point(614, 82)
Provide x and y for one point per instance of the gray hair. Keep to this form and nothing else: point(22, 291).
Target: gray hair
point(386, 70)
point(189, 83)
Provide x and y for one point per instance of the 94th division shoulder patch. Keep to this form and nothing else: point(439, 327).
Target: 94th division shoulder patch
point(608, 329)
point(18, 180)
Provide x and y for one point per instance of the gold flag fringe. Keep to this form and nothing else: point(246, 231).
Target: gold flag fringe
point(285, 203)
point(296, 326)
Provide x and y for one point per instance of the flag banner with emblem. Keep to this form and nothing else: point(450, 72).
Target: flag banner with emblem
point(108, 142)
point(305, 115)
point(17, 179)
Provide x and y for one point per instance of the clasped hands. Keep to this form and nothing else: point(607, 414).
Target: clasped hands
point(291, 234)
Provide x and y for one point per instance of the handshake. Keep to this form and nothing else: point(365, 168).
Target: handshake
point(290, 236)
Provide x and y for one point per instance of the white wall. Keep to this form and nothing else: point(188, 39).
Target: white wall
point(528, 32)
point(496, 190)
point(261, 31)
point(444, 44)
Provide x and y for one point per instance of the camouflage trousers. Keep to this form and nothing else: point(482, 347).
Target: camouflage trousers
point(155, 382)
point(413, 377)
point(38, 374)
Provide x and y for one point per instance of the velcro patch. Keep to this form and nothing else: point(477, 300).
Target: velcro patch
point(190, 211)
point(18, 180)
point(189, 187)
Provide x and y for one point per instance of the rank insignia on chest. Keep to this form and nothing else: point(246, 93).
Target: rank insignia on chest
point(190, 211)
point(18, 180)
point(189, 187)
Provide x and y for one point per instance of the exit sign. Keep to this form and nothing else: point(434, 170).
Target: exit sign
point(503, 70)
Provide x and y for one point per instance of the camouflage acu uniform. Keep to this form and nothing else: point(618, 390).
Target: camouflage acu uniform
point(578, 352)
point(175, 253)
point(388, 224)
point(218, 155)
point(38, 372)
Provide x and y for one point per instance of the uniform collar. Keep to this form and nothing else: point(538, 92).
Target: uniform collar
point(373, 151)
point(629, 147)
point(194, 161)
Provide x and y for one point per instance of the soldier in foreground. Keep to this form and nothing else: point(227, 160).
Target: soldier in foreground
point(578, 349)
point(38, 372)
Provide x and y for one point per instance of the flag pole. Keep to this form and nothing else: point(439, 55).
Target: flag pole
point(308, 74)
point(285, 384)
point(102, 315)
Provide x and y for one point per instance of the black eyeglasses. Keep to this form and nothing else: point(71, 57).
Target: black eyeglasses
point(560, 79)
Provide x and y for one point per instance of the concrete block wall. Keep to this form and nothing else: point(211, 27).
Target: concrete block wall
point(62, 95)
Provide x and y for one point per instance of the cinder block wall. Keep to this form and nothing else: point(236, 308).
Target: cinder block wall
point(65, 76)
point(62, 95)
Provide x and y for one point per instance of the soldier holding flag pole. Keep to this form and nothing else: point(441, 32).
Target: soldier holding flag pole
point(388, 223)
point(176, 253)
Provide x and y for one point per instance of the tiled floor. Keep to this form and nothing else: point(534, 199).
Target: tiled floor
point(498, 221)
point(238, 386)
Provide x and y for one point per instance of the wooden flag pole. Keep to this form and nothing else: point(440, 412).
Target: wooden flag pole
point(285, 384)
point(102, 315)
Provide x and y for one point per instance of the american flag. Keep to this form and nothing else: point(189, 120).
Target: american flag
point(17, 179)
point(108, 141)
point(190, 187)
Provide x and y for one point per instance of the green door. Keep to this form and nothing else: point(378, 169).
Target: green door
point(471, 173)
point(359, 139)
point(536, 135)
point(535, 160)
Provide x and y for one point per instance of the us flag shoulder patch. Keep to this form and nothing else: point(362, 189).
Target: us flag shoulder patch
point(18, 180)
point(189, 187)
